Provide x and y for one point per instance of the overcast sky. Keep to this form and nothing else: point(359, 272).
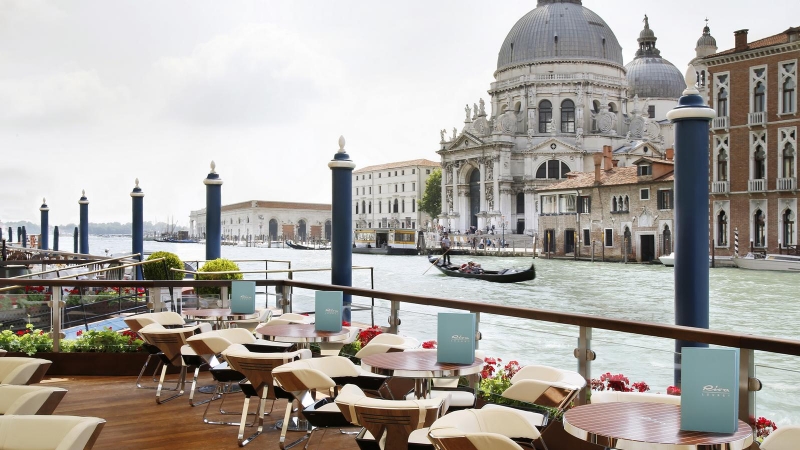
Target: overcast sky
point(94, 94)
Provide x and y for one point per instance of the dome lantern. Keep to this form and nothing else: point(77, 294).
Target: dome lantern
point(649, 75)
point(706, 45)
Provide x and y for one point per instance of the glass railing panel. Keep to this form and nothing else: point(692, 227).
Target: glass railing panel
point(780, 393)
point(639, 358)
point(25, 322)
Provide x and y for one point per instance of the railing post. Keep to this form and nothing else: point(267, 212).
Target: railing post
point(285, 302)
point(585, 356)
point(55, 317)
point(748, 385)
point(223, 295)
point(394, 317)
point(477, 328)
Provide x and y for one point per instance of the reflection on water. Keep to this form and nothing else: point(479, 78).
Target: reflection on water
point(742, 301)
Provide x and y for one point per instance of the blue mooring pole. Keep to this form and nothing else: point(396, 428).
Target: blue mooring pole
point(75, 240)
point(45, 211)
point(137, 226)
point(342, 224)
point(84, 224)
point(691, 118)
point(24, 237)
point(55, 238)
point(213, 214)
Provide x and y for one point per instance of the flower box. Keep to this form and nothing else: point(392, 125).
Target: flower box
point(92, 364)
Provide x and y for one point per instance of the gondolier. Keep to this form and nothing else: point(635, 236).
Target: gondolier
point(445, 249)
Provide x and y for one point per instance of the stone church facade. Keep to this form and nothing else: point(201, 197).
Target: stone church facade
point(561, 93)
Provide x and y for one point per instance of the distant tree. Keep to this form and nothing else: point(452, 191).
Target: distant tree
point(431, 202)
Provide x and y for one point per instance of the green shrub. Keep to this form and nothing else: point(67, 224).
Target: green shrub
point(104, 340)
point(155, 271)
point(217, 265)
point(28, 341)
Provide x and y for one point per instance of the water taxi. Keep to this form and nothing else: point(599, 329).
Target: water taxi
point(755, 261)
point(385, 241)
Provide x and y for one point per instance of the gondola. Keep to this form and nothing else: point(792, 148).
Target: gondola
point(297, 246)
point(496, 276)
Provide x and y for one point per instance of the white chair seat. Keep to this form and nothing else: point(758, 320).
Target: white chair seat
point(535, 419)
point(420, 437)
point(458, 399)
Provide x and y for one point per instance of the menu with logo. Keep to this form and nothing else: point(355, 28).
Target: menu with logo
point(456, 338)
point(709, 389)
point(243, 297)
point(328, 310)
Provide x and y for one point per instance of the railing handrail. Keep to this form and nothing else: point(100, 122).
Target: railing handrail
point(723, 338)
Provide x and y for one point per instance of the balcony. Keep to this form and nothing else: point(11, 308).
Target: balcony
point(787, 184)
point(757, 119)
point(720, 187)
point(757, 185)
point(720, 123)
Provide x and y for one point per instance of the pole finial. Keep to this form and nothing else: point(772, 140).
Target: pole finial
point(691, 80)
point(44, 201)
point(341, 144)
point(137, 183)
point(83, 193)
point(213, 167)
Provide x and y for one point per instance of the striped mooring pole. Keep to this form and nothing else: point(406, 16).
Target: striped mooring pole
point(736, 242)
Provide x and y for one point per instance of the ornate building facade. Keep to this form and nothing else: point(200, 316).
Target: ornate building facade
point(561, 93)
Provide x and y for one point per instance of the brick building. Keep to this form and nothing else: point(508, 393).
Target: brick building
point(753, 154)
point(624, 211)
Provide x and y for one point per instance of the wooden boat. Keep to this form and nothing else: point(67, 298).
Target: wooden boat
point(780, 263)
point(496, 276)
point(297, 246)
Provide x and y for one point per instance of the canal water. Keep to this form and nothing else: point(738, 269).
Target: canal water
point(751, 302)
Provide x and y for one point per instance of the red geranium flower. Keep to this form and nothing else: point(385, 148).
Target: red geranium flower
point(429, 344)
point(673, 390)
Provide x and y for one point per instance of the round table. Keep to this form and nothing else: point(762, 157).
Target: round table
point(419, 365)
point(301, 333)
point(633, 426)
point(219, 314)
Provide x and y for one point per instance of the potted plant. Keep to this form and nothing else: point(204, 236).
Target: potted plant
point(160, 270)
point(217, 265)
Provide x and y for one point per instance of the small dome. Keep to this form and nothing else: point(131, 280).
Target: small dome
point(649, 75)
point(706, 38)
point(559, 30)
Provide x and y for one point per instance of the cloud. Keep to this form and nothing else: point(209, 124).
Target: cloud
point(256, 74)
point(61, 98)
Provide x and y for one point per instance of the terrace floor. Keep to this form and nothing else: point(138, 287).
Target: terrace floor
point(135, 421)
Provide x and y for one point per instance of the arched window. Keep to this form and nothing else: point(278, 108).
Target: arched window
point(545, 115)
point(722, 229)
point(666, 247)
point(403, 206)
point(788, 160)
point(722, 165)
point(627, 237)
point(370, 207)
point(520, 202)
point(363, 207)
point(396, 208)
point(787, 103)
point(759, 228)
point(413, 205)
point(758, 97)
point(552, 169)
point(613, 204)
point(722, 103)
point(626, 204)
point(759, 164)
point(567, 116)
point(356, 207)
point(380, 207)
point(788, 228)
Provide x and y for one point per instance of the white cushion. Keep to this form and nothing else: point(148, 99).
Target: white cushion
point(419, 436)
point(47, 432)
point(19, 370)
point(459, 399)
point(534, 419)
point(786, 437)
point(505, 421)
point(329, 407)
point(24, 400)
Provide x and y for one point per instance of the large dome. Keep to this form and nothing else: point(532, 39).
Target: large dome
point(556, 31)
point(649, 75)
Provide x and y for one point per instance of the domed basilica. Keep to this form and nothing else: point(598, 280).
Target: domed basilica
point(561, 94)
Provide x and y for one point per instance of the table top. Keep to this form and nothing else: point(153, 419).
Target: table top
point(631, 426)
point(217, 312)
point(301, 333)
point(417, 364)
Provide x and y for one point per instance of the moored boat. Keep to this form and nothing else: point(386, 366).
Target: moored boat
point(385, 241)
point(773, 262)
point(668, 260)
point(297, 246)
point(496, 276)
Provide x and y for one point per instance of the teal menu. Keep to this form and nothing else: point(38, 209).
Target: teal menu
point(328, 310)
point(243, 297)
point(709, 389)
point(456, 338)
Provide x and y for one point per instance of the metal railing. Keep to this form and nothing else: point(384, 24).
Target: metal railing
point(584, 324)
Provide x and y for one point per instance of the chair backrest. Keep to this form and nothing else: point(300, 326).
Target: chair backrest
point(294, 318)
point(169, 341)
point(376, 348)
point(396, 418)
point(258, 367)
point(546, 386)
point(29, 400)
point(19, 370)
point(349, 395)
point(634, 397)
point(216, 342)
point(395, 339)
point(784, 438)
point(473, 441)
point(62, 432)
point(168, 318)
point(481, 429)
point(299, 376)
point(139, 321)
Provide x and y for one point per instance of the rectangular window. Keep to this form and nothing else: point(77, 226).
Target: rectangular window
point(787, 86)
point(427, 171)
point(651, 111)
point(395, 173)
point(370, 190)
point(665, 199)
point(370, 176)
point(403, 172)
point(567, 203)
point(380, 207)
point(413, 205)
point(413, 187)
point(395, 188)
point(413, 171)
point(548, 204)
point(644, 194)
point(403, 187)
point(403, 206)
point(608, 240)
point(356, 177)
point(379, 175)
point(379, 189)
point(584, 204)
point(644, 170)
point(587, 238)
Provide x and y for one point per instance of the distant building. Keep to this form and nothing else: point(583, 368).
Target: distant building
point(753, 154)
point(388, 195)
point(622, 210)
point(261, 220)
point(561, 92)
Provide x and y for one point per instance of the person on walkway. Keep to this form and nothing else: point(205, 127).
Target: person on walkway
point(445, 249)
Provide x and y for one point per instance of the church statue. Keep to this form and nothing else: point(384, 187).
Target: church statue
point(441, 134)
point(455, 132)
point(466, 110)
point(636, 103)
point(474, 111)
point(483, 108)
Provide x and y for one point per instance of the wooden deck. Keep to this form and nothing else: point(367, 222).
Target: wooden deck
point(134, 420)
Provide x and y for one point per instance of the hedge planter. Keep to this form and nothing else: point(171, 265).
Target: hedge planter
point(95, 364)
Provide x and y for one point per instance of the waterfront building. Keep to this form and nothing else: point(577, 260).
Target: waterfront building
point(561, 93)
point(388, 195)
point(260, 220)
point(753, 142)
point(616, 212)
